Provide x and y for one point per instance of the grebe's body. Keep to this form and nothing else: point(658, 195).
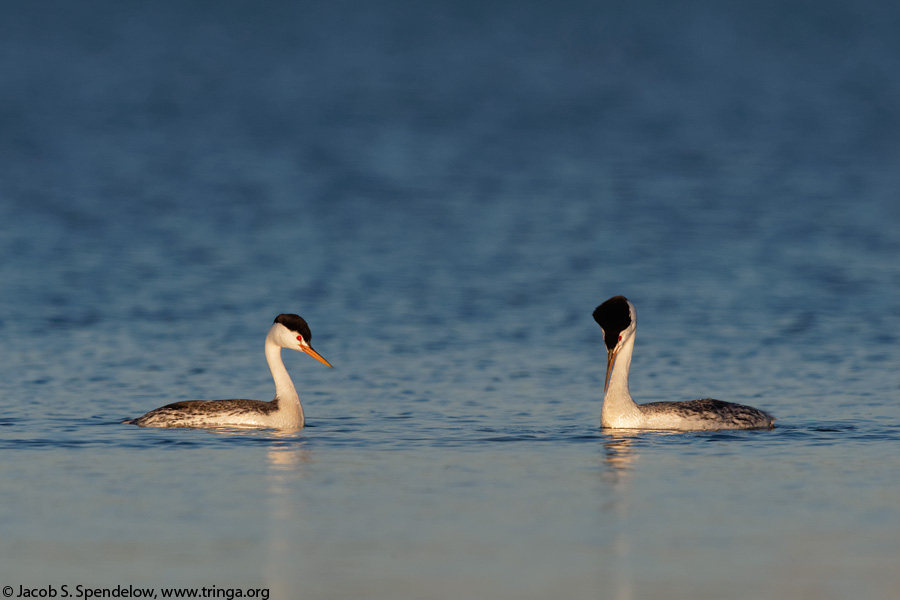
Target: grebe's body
point(617, 320)
point(284, 412)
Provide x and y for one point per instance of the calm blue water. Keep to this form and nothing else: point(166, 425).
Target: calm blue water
point(445, 192)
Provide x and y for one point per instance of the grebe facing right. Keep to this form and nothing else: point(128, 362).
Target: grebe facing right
point(617, 320)
point(285, 411)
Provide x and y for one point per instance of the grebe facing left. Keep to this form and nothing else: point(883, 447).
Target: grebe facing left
point(617, 320)
point(285, 411)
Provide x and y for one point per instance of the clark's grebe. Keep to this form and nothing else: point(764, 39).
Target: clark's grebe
point(616, 318)
point(285, 411)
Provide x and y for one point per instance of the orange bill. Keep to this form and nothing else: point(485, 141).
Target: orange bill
point(315, 355)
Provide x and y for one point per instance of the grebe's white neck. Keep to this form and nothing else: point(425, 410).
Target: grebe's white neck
point(619, 410)
point(285, 392)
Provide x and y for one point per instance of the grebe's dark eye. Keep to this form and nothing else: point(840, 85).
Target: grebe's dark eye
point(299, 338)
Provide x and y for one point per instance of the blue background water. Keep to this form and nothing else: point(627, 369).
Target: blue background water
point(445, 191)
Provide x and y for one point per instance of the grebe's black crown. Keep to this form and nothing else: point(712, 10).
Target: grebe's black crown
point(613, 316)
point(295, 323)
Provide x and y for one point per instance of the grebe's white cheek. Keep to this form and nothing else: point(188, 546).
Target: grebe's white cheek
point(286, 337)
